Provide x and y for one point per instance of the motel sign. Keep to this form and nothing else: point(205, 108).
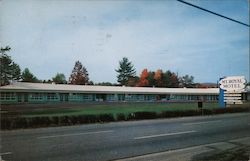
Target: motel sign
point(235, 83)
point(231, 89)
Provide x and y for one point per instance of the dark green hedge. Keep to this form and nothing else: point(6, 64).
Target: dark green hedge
point(34, 122)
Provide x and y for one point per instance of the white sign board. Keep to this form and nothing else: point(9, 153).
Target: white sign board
point(232, 95)
point(233, 83)
point(233, 101)
point(232, 98)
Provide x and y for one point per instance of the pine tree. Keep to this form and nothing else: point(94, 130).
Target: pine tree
point(27, 76)
point(187, 81)
point(79, 74)
point(9, 69)
point(59, 78)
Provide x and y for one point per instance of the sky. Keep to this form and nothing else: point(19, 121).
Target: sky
point(49, 36)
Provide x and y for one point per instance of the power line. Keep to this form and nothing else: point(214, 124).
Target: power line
point(214, 13)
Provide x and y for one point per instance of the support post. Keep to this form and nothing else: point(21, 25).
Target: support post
point(222, 104)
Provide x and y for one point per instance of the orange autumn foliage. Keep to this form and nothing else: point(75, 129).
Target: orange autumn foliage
point(143, 78)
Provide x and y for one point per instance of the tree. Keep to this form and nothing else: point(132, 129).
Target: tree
point(170, 79)
point(16, 72)
point(143, 82)
point(166, 80)
point(47, 81)
point(174, 80)
point(104, 84)
point(59, 78)
point(125, 71)
point(79, 74)
point(9, 69)
point(27, 76)
point(158, 78)
point(187, 81)
point(151, 80)
point(3, 50)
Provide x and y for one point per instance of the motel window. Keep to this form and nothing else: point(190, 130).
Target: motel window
point(37, 96)
point(8, 96)
point(121, 97)
point(51, 96)
point(195, 97)
point(87, 97)
point(214, 97)
point(110, 97)
point(76, 96)
point(140, 97)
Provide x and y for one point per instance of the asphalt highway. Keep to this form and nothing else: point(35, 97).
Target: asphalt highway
point(97, 142)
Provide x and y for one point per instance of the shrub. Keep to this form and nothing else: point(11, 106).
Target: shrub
point(169, 114)
point(120, 117)
point(63, 120)
point(20, 122)
point(82, 119)
point(131, 116)
point(5, 123)
point(74, 120)
point(54, 120)
point(145, 115)
point(191, 113)
point(106, 118)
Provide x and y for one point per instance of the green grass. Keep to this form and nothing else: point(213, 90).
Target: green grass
point(115, 109)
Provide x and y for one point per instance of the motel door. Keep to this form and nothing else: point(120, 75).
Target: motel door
point(19, 97)
point(64, 97)
point(22, 97)
point(25, 97)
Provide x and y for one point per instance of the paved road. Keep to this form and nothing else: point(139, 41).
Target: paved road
point(121, 140)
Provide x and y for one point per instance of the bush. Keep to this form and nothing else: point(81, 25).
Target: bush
point(91, 118)
point(131, 116)
point(191, 113)
point(106, 118)
point(54, 120)
point(169, 114)
point(81, 119)
point(5, 123)
point(74, 120)
point(145, 115)
point(120, 117)
point(33, 122)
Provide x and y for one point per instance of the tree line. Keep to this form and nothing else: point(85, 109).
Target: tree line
point(159, 78)
point(126, 75)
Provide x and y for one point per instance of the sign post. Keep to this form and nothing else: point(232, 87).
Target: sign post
point(231, 89)
point(222, 104)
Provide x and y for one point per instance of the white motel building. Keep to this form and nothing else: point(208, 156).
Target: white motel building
point(20, 92)
point(33, 93)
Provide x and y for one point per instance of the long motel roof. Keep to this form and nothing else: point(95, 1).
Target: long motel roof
point(67, 88)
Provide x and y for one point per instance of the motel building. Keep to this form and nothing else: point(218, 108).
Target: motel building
point(39, 93)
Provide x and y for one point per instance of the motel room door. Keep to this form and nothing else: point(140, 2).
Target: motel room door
point(22, 97)
point(19, 97)
point(64, 97)
point(26, 97)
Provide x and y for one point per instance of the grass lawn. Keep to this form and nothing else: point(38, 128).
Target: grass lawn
point(114, 109)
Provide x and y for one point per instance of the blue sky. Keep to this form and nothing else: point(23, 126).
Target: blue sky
point(49, 36)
